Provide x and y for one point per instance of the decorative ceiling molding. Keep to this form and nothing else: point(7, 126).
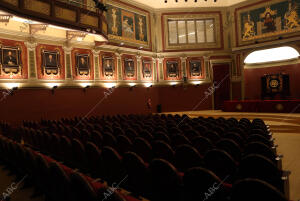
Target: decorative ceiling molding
point(34, 28)
point(5, 18)
point(75, 34)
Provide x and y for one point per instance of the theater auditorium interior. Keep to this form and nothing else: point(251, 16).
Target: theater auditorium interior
point(159, 100)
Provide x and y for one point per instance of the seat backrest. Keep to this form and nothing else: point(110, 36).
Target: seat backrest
point(163, 150)
point(143, 149)
point(202, 144)
point(186, 157)
point(260, 148)
point(231, 148)
point(165, 182)
point(221, 163)
point(124, 144)
point(260, 167)
point(81, 189)
point(198, 182)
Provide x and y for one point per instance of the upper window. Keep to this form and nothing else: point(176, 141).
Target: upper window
point(191, 31)
point(272, 55)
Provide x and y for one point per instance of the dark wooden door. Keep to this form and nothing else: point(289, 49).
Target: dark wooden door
point(221, 80)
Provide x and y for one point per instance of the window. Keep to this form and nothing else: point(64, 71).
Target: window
point(272, 55)
point(191, 31)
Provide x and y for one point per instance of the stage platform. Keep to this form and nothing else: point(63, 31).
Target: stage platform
point(270, 106)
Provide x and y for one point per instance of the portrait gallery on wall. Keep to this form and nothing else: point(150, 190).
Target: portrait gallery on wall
point(128, 25)
point(273, 18)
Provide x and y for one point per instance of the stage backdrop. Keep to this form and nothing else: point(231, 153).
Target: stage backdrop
point(253, 80)
point(267, 20)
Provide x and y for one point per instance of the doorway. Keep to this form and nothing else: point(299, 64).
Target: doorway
point(221, 80)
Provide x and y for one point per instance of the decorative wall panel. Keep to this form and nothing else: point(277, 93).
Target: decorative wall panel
point(13, 59)
point(129, 67)
point(50, 62)
point(66, 14)
point(268, 20)
point(172, 69)
point(195, 68)
point(129, 25)
point(37, 6)
point(147, 71)
point(108, 66)
point(82, 64)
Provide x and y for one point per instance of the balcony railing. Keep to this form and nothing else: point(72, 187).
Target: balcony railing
point(66, 13)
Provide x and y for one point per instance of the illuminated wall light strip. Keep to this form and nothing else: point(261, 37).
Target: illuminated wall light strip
point(148, 84)
point(110, 85)
point(52, 85)
point(132, 84)
point(272, 55)
point(11, 85)
point(173, 83)
point(85, 85)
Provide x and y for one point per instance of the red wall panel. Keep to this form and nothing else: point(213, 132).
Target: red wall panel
point(184, 99)
point(253, 80)
point(236, 88)
point(34, 104)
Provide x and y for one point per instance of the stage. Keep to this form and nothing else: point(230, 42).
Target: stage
point(272, 106)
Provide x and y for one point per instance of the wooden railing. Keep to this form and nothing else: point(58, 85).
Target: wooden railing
point(58, 13)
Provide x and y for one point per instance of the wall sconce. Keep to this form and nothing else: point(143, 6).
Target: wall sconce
point(85, 86)
point(84, 89)
point(53, 89)
point(173, 84)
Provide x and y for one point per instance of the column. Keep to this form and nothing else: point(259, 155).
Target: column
point(139, 66)
point(184, 67)
point(154, 69)
point(32, 70)
point(119, 67)
point(96, 64)
point(68, 62)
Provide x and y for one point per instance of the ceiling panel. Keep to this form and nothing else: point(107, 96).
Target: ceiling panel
point(188, 4)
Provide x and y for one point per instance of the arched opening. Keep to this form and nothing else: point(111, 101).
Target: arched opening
point(272, 55)
point(272, 74)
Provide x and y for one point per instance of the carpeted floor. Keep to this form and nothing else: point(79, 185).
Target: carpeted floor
point(286, 130)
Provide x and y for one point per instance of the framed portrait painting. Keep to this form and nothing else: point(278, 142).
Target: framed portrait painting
point(172, 69)
point(51, 62)
point(147, 69)
point(129, 67)
point(108, 66)
point(195, 68)
point(10, 60)
point(82, 64)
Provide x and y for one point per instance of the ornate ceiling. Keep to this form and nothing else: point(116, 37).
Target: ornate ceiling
point(189, 4)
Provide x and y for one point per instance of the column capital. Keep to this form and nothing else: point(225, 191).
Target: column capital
point(95, 52)
point(67, 50)
point(30, 45)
